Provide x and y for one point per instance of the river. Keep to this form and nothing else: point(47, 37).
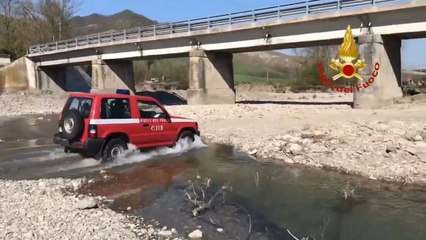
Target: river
point(263, 201)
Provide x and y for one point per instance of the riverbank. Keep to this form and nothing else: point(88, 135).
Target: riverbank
point(317, 130)
point(312, 129)
point(44, 209)
point(31, 102)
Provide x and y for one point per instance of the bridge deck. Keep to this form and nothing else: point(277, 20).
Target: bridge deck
point(287, 11)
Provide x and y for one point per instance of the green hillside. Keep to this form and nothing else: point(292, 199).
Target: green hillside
point(250, 73)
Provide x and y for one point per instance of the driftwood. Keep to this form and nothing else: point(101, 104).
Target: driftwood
point(196, 193)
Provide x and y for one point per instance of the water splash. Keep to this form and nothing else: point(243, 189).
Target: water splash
point(56, 161)
point(132, 155)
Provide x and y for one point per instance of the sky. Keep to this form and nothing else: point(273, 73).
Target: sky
point(176, 10)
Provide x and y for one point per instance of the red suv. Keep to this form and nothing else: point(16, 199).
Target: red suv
point(101, 125)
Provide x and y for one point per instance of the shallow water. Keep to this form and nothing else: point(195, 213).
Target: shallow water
point(265, 198)
point(276, 197)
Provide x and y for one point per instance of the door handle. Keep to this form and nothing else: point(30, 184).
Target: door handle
point(145, 125)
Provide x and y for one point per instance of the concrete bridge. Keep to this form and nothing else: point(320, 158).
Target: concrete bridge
point(209, 43)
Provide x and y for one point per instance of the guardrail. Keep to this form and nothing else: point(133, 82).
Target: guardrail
point(275, 12)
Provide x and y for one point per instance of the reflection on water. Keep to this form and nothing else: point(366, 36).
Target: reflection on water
point(306, 201)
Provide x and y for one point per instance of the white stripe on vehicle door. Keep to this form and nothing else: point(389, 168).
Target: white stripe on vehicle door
point(113, 121)
point(130, 121)
point(181, 120)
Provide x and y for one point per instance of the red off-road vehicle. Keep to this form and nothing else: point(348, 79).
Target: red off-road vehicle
point(101, 125)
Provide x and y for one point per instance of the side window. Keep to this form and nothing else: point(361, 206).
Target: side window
point(113, 108)
point(82, 105)
point(150, 110)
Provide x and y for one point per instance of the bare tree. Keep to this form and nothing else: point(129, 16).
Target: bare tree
point(32, 28)
point(41, 21)
point(57, 15)
point(307, 71)
point(8, 10)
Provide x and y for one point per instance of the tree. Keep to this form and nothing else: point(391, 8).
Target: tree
point(57, 15)
point(30, 26)
point(307, 71)
point(37, 21)
point(8, 12)
point(149, 64)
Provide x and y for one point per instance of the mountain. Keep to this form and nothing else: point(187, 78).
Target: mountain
point(96, 23)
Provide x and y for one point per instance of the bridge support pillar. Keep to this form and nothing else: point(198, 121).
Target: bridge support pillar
point(383, 53)
point(211, 78)
point(108, 76)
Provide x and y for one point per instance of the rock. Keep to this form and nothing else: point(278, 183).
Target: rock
point(252, 152)
point(87, 203)
point(165, 233)
point(307, 141)
point(295, 149)
point(196, 234)
point(220, 230)
point(410, 134)
point(2, 141)
point(391, 148)
point(317, 133)
point(423, 134)
point(129, 208)
point(28, 235)
point(174, 231)
point(418, 138)
point(75, 185)
point(289, 160)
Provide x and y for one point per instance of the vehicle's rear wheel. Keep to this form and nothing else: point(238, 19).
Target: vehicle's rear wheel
point(72, 125)
point(187, 135)
point(113, 149)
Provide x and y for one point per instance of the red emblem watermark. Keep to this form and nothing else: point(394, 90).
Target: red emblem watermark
point(352, 88)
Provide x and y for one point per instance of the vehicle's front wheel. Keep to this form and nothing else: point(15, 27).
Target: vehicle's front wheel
point(113, 149)
point(187, 135)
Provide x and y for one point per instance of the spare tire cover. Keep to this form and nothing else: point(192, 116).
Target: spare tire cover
point(72, 124)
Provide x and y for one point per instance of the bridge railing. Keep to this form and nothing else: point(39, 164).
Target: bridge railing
point(303, 7)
